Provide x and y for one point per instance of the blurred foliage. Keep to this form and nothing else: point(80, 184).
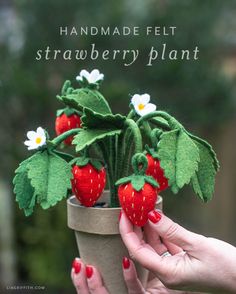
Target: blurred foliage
point(195, 91)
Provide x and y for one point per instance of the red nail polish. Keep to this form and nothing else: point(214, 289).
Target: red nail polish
point(126, 263)
point(76, 265)
point(89, 271)
point(154, 216)
point(120, 215)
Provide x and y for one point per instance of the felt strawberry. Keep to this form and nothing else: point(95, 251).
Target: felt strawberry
point(89, 180)
point(137, 204)
point(138, 192)
point(66, 120)
point(154, 169)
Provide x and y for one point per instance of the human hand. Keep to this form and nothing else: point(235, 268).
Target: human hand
point(87, 279)
point(197, 263)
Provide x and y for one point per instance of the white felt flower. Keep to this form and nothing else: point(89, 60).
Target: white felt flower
point(93, 77)
point(141, 104)
point(35, 139)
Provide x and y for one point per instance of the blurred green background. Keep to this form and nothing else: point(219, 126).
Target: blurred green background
point(39, 250)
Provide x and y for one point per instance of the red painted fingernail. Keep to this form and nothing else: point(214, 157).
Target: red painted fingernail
point(126, 263)
point(89, 271)
point(154, 216)
point(76, 266)
point(120, 214)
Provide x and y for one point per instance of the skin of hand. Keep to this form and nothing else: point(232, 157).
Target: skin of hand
point(94, 284)
point(197, 263)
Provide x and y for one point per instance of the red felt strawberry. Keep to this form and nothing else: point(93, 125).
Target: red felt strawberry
point(154, 169)
point(66, 120)
point(138, 192)
point(89, 180)
point(137, 204)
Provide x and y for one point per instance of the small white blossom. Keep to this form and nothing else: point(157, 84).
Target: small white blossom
point(35, 139)
point(92, 77)
point(141, 104)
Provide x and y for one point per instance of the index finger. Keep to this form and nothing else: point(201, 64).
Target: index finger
point(143, 253)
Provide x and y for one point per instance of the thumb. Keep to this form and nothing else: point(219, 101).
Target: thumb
point(174, 233)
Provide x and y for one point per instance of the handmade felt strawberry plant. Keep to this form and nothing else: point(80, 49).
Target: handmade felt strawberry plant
point(152, 143)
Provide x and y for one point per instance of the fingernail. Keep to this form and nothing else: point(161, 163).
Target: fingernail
point(126, 263)
point(154, 216)
point(89, 271)
point(120, 214)
point(76, 266)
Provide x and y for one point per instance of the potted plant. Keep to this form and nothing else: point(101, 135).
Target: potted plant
point(139, 155)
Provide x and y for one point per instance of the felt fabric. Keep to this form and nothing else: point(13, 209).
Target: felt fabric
point(88, 183)
point(83, 161)
point(138, 181)
point(85, 97)
point(203, 180)
point(25, 194)
point(50, 176)
point(93, 120)
point(137, 204)
point(44, 177)
point(154, 169)
point(87, 137)
point(65, 123)
point(179, 157)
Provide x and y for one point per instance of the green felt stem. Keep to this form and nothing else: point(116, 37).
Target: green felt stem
point(114, 202)
point(136, 133)
point(59, 139)
point(162, 125)
point(120, 153)
point(131, 114)
point(154, 135)
point(173, 123)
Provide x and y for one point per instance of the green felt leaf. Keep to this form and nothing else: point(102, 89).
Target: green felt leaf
point(85, 97)
point(50, 177)
point(179, 157)
point(138, 182)
point(25, 195)
point(67, 111)
point(93, 120)
point(66, 156)
point(80, 161)
point(123, 181)
point(96, 164)
point(203, 181)
point(151, 181)
point(210, 149)
point(87, 137)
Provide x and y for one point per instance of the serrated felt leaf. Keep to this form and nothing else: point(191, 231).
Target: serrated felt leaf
point(210, 149)
point(85, 97)
point(93, 120)
point(137, 182)
point(22, 188)
point(203, 181)
point(179, 158)
point(87, 137)
point(50, 177)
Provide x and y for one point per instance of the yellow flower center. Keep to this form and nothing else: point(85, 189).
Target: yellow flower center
point(38, 140)
point(141, 106)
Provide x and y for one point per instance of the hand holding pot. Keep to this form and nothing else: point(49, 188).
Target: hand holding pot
point(193, 262)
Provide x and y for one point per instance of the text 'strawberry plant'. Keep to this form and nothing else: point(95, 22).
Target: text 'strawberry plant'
point(108, 145)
